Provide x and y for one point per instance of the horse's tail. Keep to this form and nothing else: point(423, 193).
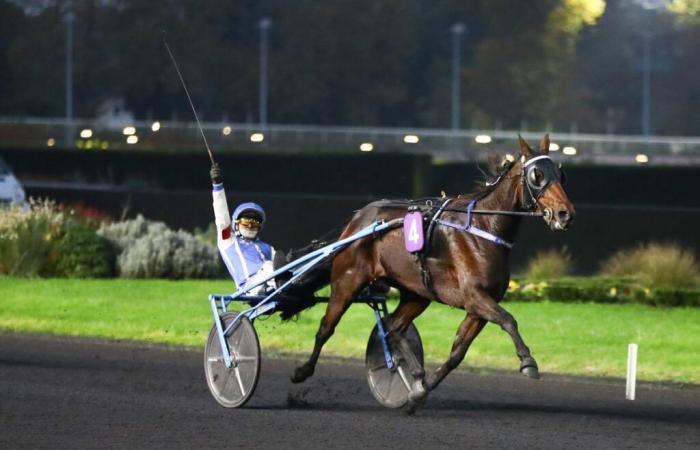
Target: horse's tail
point(300, 295)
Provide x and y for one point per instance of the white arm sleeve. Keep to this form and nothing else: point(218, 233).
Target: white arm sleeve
point(222, 218)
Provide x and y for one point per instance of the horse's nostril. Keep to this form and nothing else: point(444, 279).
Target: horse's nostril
point(563, 215)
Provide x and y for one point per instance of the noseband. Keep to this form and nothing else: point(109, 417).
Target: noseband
point(537, 175)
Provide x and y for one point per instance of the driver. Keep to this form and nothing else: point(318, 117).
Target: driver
point(247, 258)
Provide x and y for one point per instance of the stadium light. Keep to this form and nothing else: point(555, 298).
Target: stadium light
point(50, 142)
point(483, 139)
point(366, 147)
point(128, 131)
point(133, 139)
point(553, 147)
point(86, 133)
point(155, 126)
point(226, 131)
point(411, 139)
point(642, 158)
point(570, 151)
point(257, 137)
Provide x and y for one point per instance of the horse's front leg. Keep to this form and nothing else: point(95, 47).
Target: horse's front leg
point(469, 329)
point(490, 310)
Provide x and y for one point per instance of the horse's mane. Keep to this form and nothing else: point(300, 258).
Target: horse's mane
point(497, 166)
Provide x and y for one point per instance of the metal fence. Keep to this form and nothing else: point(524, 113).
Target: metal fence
point(441, 144)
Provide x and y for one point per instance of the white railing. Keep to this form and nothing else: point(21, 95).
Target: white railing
point(441, 144)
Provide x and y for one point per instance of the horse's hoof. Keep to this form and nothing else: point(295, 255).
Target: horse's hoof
point(418, 392)
point(529, 368)
point(300, 374)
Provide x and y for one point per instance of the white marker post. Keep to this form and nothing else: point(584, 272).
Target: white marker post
point(631, 371)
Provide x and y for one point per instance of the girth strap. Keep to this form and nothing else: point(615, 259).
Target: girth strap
point(421, 255)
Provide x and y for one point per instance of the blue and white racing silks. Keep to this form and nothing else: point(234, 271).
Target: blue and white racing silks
point(244, 258)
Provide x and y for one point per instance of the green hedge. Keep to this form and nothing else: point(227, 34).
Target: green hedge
point(81, 253)
point(599, 290)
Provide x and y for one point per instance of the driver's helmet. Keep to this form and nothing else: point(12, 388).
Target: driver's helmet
point(249, 214)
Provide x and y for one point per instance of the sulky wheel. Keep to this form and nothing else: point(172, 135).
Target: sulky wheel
point(391, 386)
point(232, 387)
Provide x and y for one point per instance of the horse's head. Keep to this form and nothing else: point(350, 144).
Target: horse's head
point(542, 186)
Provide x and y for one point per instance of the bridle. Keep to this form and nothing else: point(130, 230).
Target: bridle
point(537, 174)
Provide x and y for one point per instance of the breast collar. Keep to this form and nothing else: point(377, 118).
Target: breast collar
point(471, 229)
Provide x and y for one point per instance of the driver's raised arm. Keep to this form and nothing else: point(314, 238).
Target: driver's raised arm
point(222, 218)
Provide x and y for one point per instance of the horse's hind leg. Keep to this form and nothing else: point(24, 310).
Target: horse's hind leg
point(493, 312)
point(343, 290)
point(469, 329)
point(410, 307)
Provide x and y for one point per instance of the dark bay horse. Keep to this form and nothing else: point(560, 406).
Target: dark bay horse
point(467, 271)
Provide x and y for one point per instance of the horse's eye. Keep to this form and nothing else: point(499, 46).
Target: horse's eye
point(536, 177)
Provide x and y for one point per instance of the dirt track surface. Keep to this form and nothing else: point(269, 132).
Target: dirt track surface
point(70, 393)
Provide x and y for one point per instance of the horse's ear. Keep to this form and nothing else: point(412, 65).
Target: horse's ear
point(525, 149)
point(544, 145)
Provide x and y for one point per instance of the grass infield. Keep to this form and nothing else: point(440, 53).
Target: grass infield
point(582, 339)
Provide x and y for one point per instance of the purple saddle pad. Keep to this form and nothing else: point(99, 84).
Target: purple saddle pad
point(413, 231)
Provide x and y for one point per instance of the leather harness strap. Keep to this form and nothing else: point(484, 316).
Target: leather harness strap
point(421, 255)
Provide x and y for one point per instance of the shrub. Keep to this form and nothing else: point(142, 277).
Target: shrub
point(548, 264)
point(655, 266)
point(599, 290)
point(85, 215)
point(27, 238)
point(124, 234)
point(207, 235)
point(148, 249)
point(82, 253)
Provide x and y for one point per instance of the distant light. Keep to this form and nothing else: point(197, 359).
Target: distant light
point(257, 137)
point(569, 151)
point(155, 127)
point(104, 145)
point(128, 131)
point(226, 131)
point(411, 139)
point(366, 147)
point(642, 158)
point(133, 139)
point(553, 147)
point(50, 142)
point(86, 133)
point(483, 139)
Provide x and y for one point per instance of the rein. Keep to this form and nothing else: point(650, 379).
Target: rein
point(408, 205)
point(499, 212)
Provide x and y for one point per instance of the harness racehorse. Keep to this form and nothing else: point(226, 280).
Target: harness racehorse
point(464, 262)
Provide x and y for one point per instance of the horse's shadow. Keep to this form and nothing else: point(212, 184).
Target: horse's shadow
point(445, 407)
point(459, 408)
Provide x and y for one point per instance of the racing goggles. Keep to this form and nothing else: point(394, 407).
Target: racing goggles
point(249, 222)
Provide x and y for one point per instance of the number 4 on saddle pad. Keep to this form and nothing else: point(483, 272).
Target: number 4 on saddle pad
point(413, 232)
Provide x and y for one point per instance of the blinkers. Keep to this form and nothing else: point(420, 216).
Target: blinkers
point(538, 173)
